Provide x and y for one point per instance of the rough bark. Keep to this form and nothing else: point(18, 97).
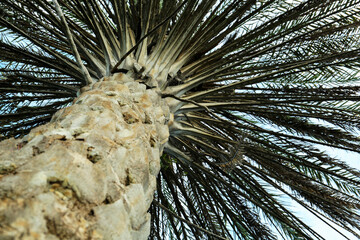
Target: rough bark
point(91, 172)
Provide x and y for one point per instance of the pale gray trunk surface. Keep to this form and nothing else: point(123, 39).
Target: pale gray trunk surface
point(91, 172)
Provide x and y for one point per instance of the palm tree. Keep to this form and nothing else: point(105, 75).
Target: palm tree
point(209, 115)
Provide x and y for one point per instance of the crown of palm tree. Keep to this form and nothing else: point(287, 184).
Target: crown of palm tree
point(255, 88)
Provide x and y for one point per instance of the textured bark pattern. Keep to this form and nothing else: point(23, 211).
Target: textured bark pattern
point(91, 172)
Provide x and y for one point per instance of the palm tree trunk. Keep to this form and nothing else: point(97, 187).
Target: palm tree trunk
point(91, 172)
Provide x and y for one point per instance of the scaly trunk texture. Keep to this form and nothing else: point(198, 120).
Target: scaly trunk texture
point(91, 172)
